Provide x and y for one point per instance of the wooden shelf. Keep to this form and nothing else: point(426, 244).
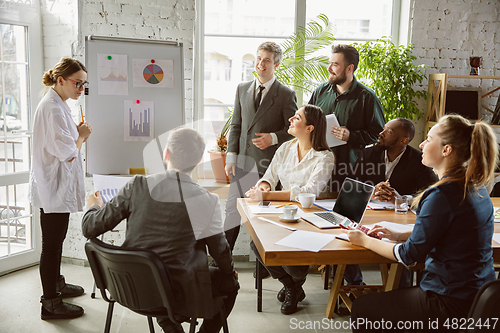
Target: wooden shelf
point(437, 95)
point(473, 77)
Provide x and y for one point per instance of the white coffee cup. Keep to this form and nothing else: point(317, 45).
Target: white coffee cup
point(307, 199)
point(290, 211)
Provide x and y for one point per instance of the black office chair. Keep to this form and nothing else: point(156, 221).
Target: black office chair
point(486, 305)
point(136, 279)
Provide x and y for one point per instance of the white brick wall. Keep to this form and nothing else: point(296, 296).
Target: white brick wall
point(59, 27)
point(450, 31)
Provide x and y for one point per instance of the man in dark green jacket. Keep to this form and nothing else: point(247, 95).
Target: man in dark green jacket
point(356, 107)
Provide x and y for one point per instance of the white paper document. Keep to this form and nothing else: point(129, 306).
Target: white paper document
point(112, 74)
point(332, 140)
point(306, 240)
point(393, 226)
point(271, 209)
point(326, 204)
point(109, 185)
point(379, 205)
point(496, 237)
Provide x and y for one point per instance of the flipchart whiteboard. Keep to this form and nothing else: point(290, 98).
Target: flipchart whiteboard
point(107, 150)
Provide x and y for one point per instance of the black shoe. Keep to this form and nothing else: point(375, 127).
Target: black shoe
point(66, 289)
point(281, 294)
point(55, 308)
point(264, 273)
point(289, 305)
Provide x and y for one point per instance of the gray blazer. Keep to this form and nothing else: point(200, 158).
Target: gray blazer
point(155, 222)
point(279, 104)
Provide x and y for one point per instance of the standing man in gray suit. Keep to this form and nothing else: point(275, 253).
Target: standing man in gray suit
point(262, 108)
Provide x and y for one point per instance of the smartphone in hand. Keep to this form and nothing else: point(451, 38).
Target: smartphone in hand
point(347, 224)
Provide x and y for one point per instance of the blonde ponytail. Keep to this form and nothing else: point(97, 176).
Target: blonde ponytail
point(475, 153)
point(484, 156)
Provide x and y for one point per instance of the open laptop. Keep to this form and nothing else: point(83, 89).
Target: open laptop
point(351, 204)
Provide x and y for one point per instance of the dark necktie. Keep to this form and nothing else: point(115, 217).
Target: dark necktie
point(259, 97)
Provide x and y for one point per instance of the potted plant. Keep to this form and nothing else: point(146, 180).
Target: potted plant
point(301, 69)
point(389, 70)
point(218, 156)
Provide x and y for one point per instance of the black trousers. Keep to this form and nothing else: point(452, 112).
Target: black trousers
point(240, 184)
point(288, 275)
point(410, 309)
point(222, 286)
point(54, 229)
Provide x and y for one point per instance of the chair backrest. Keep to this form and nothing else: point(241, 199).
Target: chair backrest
point(135, 278)
point(486, 305)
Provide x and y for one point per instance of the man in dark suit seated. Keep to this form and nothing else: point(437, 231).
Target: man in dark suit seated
point(395, 168)
point(393, 165)
point(173, 216)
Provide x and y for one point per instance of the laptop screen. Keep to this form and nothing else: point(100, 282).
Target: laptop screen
point(353, 199)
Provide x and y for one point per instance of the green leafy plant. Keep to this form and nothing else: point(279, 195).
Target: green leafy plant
point(300, 68)
point(389, 70)
point(222, 137)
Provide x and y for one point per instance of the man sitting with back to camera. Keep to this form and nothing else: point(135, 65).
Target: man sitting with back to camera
point(395, 168)
point(173, 216)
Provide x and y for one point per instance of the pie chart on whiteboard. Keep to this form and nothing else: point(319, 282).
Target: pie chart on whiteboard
point(153, 74)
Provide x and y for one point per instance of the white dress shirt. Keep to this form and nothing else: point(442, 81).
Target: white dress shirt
point(390, 166)
point(56, 185)
point(310, 175)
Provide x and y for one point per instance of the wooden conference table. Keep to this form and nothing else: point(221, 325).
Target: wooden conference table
point(338, 252)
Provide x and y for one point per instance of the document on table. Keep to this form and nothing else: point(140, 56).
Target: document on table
point(306, 240)
point(391, 225)
point(496, 237)
point(109, 185)
point(332, 140)
point(326, 204)
point(379, 205)
point(271, 209)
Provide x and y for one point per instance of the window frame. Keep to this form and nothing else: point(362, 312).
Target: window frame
point(400, 34)
point(28, 15)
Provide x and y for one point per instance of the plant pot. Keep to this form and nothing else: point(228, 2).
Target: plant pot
point(218, 160)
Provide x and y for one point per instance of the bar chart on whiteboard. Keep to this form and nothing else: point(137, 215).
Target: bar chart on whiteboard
point(139, 120)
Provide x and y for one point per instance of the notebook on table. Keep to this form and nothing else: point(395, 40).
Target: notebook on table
point(351, 204)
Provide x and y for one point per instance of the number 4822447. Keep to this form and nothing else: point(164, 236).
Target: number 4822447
point(470, 323)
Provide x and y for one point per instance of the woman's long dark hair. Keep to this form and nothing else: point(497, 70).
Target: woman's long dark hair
point(316, 117)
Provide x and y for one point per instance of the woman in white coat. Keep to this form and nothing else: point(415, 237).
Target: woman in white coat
point(56, 180)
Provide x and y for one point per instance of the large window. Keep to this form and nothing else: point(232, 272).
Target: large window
point(20, 78)
point(232, 30)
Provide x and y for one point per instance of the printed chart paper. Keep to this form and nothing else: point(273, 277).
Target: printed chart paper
point(139, 121)
point(159, 74)
point(109, 185)
point(112, 74)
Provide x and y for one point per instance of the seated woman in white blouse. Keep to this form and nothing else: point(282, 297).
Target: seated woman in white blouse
point(303, 165)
